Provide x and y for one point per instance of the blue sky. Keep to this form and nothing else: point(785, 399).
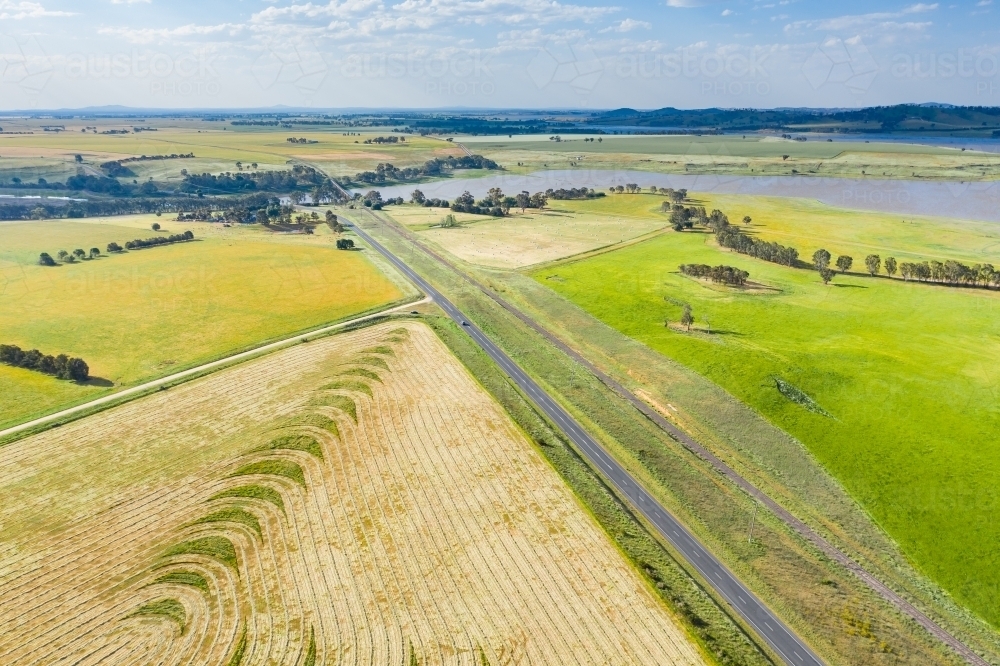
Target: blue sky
point(496, 53)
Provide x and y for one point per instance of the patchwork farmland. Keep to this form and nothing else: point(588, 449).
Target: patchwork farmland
point(357, 499)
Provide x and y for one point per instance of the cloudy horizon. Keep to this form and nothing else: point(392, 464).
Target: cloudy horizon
point(494, 54)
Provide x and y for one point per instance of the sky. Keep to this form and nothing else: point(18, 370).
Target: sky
point(500, 54)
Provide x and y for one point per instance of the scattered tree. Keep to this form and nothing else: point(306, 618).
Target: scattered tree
point(826, 274)
point(821, 259)
point(114, 247)
point(45, 259)
point(450, 222)
point(844, 263)
point(873, 262)
point(94, 253)
point(79, 253)
point(156, 226)
point(890, 266)
point(345, 244)
point(687, 317)
point(417, 197)
point(747, 220)
point(78, 158)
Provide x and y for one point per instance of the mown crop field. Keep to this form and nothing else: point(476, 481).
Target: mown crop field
point(217, 148)
point(355, 500)
point(901, 376)
point(146, 313)
point(525, 238)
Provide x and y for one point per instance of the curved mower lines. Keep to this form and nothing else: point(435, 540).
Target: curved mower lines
point(240, 527)
point(355, 500)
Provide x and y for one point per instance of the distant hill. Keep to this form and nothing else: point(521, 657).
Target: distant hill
point(903, 117)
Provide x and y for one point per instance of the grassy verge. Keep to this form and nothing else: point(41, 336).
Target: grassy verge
point(720, 637)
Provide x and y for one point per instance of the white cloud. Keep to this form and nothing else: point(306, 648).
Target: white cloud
point(627, 25)
point(689, 3)
point(182, 33)
point(16, 11)
point(373, 16)
point(131, 2)
point(728, 12)
point(876, 21)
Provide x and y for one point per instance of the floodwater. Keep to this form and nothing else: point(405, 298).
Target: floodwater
point(959, 200)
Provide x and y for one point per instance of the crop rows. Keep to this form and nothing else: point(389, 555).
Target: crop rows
point(356, 500)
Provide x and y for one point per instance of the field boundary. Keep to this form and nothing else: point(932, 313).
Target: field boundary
point(86, 409)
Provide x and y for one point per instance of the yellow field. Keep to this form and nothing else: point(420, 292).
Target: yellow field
point(526, 239)
point(52, 155)
point(354, 500)
point(146, 313)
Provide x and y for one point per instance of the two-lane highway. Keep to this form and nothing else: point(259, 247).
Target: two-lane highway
point(781, 639)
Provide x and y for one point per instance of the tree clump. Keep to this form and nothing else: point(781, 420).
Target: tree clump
point(61, 366)
point(719, 274)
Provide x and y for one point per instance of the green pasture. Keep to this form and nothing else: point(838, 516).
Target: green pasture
point(736, 155)
point(906, 373)
point(147, 313)
point(753, 145)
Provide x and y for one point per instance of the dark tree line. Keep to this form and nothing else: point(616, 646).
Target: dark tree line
point(734, 239)
point(573, 193)
point(729, 236)
point(100, 208)
point(387, 139)
point(45, 259)
point(722, 274)
point(61, 366)
point(138, 243)
point(385, 172)
point(417, 197)
point(498, 204)
point(299, 178)
point(951, 272)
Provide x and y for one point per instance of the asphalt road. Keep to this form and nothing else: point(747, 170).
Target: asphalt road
point(781, 639)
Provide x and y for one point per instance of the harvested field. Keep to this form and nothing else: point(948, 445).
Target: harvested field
point(529, 238)
point(279, 513)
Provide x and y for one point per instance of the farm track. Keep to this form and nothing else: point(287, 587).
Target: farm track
point(429, 527)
